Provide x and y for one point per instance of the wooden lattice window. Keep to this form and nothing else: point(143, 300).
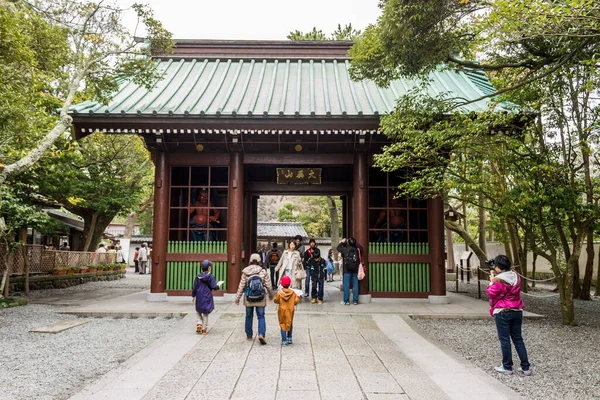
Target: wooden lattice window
point(198, 204)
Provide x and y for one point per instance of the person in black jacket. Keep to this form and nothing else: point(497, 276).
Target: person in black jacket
point(352, 255)
point(306, 256)
point(318, 271)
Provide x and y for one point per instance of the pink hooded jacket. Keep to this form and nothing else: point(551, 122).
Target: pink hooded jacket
point(505, 294)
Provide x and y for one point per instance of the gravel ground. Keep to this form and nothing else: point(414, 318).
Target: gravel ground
point(564, 358)
point(56, 366)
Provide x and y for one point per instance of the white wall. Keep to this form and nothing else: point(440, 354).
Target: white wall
point(541, 264)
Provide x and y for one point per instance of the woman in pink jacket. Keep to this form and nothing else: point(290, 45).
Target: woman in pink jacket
point(506, 307)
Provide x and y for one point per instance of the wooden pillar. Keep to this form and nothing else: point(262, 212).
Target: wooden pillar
point(361, 210)
point(436, 245)
point(160, 231)
point(235, 222)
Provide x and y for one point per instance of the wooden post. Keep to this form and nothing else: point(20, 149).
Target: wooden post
point(436, 244)
point(160, 229)
point(235, 222)
point(361, 211)
point(449, 251)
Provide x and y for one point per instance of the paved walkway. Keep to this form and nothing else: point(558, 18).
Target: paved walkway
point(369, 351)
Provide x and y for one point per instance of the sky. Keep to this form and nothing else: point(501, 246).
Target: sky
point(258, 19)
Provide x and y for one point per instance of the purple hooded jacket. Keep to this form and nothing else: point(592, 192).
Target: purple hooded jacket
point(505, 294)
point(204, 284)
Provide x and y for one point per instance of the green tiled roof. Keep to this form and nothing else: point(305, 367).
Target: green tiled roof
point(286, 88)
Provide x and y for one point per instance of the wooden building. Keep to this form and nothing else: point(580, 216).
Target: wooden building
point(239, 119)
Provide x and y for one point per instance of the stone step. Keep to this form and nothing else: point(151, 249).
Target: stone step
point(61, 326)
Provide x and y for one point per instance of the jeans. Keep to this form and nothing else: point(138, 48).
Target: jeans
point(307, 282)
point(317, 288)
point(274, 277)
point(508, 325)
point(285, 336)
point(347, 277)
point(260, 314)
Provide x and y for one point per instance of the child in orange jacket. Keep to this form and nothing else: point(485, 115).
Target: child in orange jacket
point(287, 299)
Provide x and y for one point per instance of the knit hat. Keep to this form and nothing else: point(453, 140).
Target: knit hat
point(286, 281)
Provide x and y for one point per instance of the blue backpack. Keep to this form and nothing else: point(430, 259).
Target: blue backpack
point(255, 291)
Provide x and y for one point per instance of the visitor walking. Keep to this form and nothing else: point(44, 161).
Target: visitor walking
point(252, 286)
point(273, 257)
point(290, 265)
point(351, 254)
point(202, 296)
point(318, 271)
point(308, 254)
point(287, 300)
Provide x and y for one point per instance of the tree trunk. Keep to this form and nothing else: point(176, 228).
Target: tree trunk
point(577, 291)
point(335, 226)
point(589, 268)
point(132, 216)
point(507, 245)
point(5, 284)
point(94, 225)
point(482, 226)
point(455, 227)
point(533, 265)
point(597, 291)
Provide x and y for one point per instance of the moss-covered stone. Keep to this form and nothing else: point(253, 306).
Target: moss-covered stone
point(12, 302)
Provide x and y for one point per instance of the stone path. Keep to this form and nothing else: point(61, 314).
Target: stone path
point(334, 356)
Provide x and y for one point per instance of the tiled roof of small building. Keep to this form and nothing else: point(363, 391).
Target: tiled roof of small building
point(279, 230)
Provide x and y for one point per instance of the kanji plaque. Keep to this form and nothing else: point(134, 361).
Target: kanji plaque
point(298, 176)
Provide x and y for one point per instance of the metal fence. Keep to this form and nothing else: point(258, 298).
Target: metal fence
point(43, 261)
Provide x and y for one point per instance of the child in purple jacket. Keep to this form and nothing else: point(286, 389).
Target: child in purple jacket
point(204, 284)
point(506, 307)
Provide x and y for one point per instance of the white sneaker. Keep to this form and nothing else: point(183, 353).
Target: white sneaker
point(504, 371)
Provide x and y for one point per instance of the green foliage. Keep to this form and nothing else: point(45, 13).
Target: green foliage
point(312, 212)
point(286, 213)
point(345, 33)
point(33, 55)
point(414, 37)
point(19, 210)
point(103, 174)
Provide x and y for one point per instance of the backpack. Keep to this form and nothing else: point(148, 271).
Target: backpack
point(351, 258)
point(274, 258)
point(255, 291)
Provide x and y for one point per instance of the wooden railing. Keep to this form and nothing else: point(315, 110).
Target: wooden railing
point(41, 261)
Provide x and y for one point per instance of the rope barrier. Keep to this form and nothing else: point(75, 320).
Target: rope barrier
point(540, 297)
point(488, 273)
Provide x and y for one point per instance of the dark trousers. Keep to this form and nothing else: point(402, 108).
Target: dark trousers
point(317, 287)
point(137, 265)
point(274, 277)
point(508, 325)
point(307, 283)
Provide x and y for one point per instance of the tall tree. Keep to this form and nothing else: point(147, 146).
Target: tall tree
point(94, 51)
point(534, 175)
point(100, 177)
point(340, 33)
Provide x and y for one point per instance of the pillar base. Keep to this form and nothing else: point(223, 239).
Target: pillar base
point(364, 298)
point(156, 297)
point(438, 299)
point(229, 297)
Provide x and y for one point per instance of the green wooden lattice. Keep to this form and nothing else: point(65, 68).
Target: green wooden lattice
point(181, 274)
point(399, 277)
